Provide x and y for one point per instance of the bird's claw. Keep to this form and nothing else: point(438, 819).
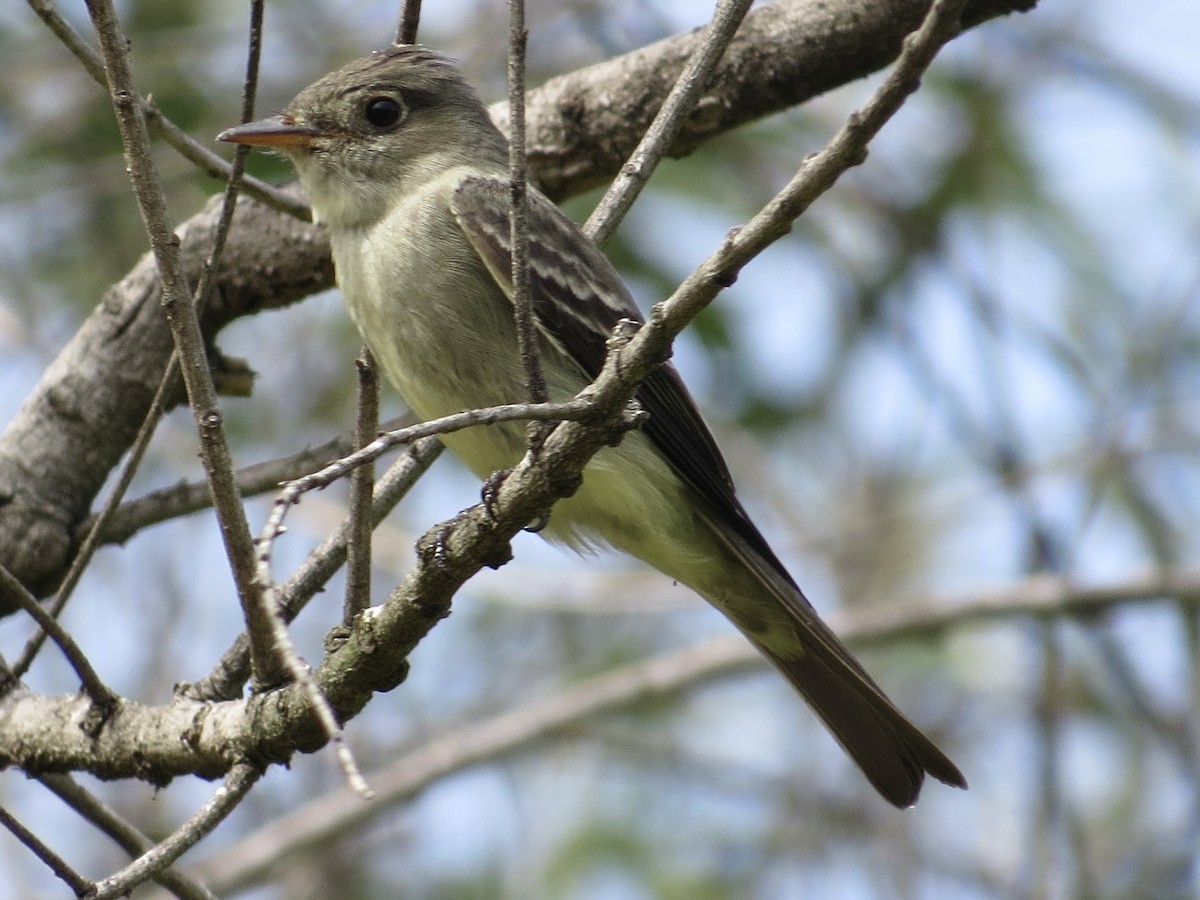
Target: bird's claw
point(538, 524)
point(490, 493)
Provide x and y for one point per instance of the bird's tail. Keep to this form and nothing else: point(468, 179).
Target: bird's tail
point(892, 752)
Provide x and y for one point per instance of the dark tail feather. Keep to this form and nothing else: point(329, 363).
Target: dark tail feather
point(776, 616)
point(890, 750)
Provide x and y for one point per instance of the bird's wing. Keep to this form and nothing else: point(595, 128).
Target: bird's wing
point(578, 299)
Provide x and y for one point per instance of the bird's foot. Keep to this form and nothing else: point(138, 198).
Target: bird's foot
point(490, 493)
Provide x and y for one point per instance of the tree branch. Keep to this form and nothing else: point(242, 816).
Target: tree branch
point(661, 133)
point(236, 785)
point(130, 839)
point(189, 497)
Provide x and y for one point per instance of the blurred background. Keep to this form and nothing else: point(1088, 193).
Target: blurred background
point(973, 363)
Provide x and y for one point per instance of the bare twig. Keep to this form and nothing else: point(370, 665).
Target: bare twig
point(667, 124)
point(181, 499)
point(390, 489)
point(8, 680)
point(518, 218)
point(237, 172)
point(130, 839)
point(291, 493)
point(292, 668)
point(362, 482)
point(1045, 850)
point(185, 328)
point(15, 593)
point(296, 670)
point(236, 785)
point(78, 884)
point(1190, 617)
point(410, 18)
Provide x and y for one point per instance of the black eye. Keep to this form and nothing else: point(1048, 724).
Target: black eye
point(383, 112)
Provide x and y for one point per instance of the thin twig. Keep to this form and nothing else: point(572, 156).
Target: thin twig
point(362, 486)
point(390, 489)
point(17, 596)
point(1190, 617)
point(410, 18)
point(819, 172)
point(292, 667)
point(656, 140)
point(518, 218)
point(567, 411)
point(236, 785)
point(189, 497)
point(214, 449)
point(129, 838)
point(1044, 834)
point(203, 158)
point(8, 680)
point(1122, 674)
point(289, 665)
point(78, 884)
point(293, 490)
point(236, 174)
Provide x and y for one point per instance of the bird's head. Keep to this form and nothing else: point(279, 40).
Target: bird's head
point(376, 127)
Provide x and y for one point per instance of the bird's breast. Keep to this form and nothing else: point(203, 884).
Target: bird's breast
point(435, 320)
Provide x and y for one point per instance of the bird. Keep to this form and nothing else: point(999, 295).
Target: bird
point(405, 168)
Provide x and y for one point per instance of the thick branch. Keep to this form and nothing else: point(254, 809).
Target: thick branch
point(85, 411)
point(583, 125)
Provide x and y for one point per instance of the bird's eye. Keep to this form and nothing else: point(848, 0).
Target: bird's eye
point(383, 112)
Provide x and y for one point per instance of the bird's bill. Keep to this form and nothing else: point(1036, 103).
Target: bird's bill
point(276, 131)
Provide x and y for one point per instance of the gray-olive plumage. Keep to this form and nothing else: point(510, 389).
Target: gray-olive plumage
point(404, 166)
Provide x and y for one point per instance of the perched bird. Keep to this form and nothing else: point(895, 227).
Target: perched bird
point(407, 171)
